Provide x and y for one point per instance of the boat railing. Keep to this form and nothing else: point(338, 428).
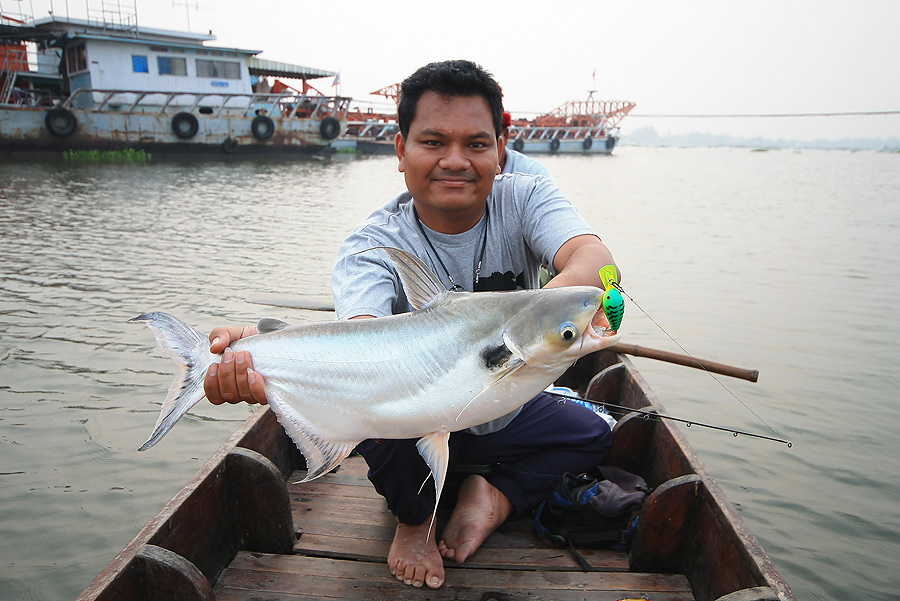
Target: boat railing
point(284, 105)
point(376, 130)
point(535, 133)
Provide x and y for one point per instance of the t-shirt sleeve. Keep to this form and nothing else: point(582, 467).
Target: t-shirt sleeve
point(363, 282)
point(549, 218)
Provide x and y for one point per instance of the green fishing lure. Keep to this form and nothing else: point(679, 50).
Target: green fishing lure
point(613, 303)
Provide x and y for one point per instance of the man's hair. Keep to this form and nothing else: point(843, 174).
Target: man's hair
point(449, 78)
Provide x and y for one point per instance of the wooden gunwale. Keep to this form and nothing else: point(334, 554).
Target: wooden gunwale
point(242, 528)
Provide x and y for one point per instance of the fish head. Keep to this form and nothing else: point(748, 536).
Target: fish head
point(559, 325)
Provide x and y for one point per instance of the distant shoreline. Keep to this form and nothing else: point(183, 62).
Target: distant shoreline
point(648, 136)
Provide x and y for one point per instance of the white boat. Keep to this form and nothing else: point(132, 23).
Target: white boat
point(111, 84)
point(582, 127)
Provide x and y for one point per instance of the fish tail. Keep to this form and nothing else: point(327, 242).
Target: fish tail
point(189, 349)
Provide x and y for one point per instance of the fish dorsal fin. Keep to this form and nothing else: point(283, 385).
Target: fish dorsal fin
point(435, 450)
point(269, 324)
point(422, 287)
point(321, 455)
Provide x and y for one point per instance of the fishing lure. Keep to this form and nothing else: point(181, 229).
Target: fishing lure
point(613, 303)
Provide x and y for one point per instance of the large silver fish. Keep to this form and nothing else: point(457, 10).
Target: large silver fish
point(460, 360)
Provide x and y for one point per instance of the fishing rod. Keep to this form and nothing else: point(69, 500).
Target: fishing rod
point(661, 416)
point(614, 308)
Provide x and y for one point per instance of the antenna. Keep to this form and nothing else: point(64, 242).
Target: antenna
point(187, 9)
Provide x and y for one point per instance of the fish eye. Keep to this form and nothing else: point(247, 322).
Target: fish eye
point(568, 331)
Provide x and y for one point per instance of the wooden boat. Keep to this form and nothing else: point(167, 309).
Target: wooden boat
point(242, 528)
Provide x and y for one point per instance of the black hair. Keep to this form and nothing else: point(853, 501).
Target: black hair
point(449, 78)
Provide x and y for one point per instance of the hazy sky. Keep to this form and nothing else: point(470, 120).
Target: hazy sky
point(686, 57)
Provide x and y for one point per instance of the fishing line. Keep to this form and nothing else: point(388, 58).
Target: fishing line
point(661, 416)
point(703, 367)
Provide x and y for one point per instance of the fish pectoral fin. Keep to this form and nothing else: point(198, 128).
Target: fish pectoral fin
point(513, 363)
point(321, 455)
point(435, 450)
point(511, 367)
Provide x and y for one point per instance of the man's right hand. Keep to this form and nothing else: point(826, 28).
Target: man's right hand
point(233, 380)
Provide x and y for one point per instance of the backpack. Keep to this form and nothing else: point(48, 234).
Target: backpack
point(598, 509)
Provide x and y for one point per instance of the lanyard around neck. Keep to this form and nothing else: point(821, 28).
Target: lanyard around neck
point(478, 253)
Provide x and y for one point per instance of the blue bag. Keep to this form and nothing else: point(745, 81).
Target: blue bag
point(598, 509)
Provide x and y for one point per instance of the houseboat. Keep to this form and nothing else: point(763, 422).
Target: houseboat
point(111, 84)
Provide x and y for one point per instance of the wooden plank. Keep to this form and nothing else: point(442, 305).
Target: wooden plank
point(292, 578)
point(359, 527)
point(514, 558)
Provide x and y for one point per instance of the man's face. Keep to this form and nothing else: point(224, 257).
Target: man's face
point(449, 160)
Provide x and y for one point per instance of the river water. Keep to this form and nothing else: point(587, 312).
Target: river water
point(783, 261)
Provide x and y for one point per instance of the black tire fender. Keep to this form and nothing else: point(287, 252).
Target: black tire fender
point(554, 144)
point(262, 128)
point(228, 145)
point(185, 125)
point(587, 143)
point(61, 122)
point(330, 128)
point(519, 145)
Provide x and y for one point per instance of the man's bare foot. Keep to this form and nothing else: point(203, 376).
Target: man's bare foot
point(480, 509)
point(414, 561)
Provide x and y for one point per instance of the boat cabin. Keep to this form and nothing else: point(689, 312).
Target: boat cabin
point(74, 54)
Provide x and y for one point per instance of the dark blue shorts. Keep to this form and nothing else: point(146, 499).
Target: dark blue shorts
point(548, 438)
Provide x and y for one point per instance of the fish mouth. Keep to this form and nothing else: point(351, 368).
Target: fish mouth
point(598, 333)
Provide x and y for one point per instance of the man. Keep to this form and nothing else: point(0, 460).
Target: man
point(476, 234)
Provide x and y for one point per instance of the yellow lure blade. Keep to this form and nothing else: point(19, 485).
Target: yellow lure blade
point(609, 275)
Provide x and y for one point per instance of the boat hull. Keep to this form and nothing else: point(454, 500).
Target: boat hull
point(25, 128)
point(241, 529)
point(603, 146)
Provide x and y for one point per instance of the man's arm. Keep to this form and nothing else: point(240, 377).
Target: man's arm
point(578, 262)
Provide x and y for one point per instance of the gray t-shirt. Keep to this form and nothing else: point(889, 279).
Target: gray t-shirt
point(527, 219)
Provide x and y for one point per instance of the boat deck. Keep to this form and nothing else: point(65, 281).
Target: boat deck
point(344, 531)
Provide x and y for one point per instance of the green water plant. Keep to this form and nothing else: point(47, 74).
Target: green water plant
point(126, 155)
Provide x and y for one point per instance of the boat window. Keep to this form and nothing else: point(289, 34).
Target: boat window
point(171, 66)
point(140, 64)
point(76, 58)
point(218, 69)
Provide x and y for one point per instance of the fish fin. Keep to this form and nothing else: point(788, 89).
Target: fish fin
point(515, 362)
point(189, 349)
point(435, 450)
point(422, 287)
point(269, 324)
point(321, 455)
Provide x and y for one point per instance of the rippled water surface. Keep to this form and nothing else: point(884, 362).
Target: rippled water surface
point(784, 261)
